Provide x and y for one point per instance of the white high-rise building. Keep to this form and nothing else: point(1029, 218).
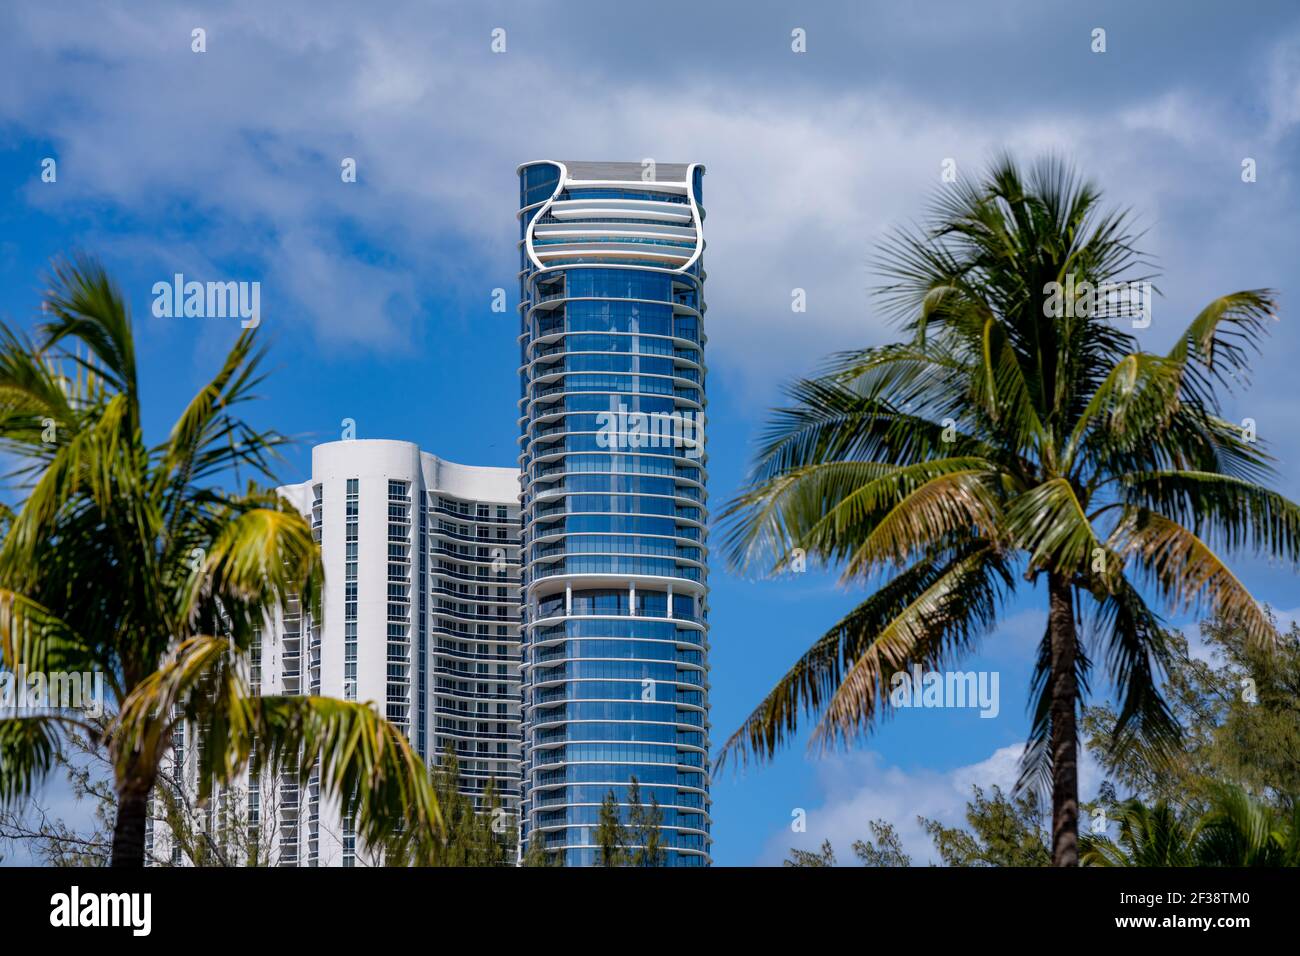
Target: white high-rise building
point(420, 616)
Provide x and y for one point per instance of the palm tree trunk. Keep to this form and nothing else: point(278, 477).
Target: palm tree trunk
point(128, 831)
point(1064, 742)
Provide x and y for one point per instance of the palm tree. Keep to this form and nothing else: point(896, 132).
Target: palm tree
point(130, 559)
point(1237, 830)
point(1006, 441)
point(1148, 836)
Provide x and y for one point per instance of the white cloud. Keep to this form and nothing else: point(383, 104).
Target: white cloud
point(1283, 86)
point(1017, 636)
point(245, 142)
point(855, 789)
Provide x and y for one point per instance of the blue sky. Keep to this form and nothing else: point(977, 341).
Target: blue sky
point(376, 295)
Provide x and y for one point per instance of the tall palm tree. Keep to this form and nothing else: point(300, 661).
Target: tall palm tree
point(131, 559)
point(1014, 436)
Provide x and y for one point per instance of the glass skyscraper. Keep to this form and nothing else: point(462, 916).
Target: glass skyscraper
point(615, 590)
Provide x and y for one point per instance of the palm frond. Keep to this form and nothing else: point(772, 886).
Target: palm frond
point(365, 762)
point(941, 623)
point(958, 501)
point(1236, 513)
point(834, 421)
point(1049, 522)
point(86, 305)
point(1137, 397)
point(171, 694)
point(1240, 831)
point(1187, 571)
point(34, 639)
point(207, 440)
point(819, 674)
point(28, 746)
point(1137, 654)
point(1149, 837)
point(999, 385)
point(263, 555)
point(1216, 348)
point(34, 395)
point(831, 510)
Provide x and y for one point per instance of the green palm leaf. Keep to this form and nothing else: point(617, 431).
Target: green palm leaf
point(942, 603)
point(1186, 571)
point(27, 749)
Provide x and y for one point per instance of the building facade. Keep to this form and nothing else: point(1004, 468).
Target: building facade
point(612, 471)
point(420, 616)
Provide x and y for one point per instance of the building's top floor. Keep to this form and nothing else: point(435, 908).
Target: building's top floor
point(540, 179)
point(645, 214)
point(586, 170)
point(377, 458)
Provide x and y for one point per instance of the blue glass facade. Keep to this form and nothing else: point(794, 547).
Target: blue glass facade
point(615, 648)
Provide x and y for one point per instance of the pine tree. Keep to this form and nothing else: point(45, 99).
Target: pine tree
point(611, 835)
point(537, 855)
point(482, 835)
point(645, 827)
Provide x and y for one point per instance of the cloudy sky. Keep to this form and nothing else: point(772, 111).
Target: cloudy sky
point(376, 295)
